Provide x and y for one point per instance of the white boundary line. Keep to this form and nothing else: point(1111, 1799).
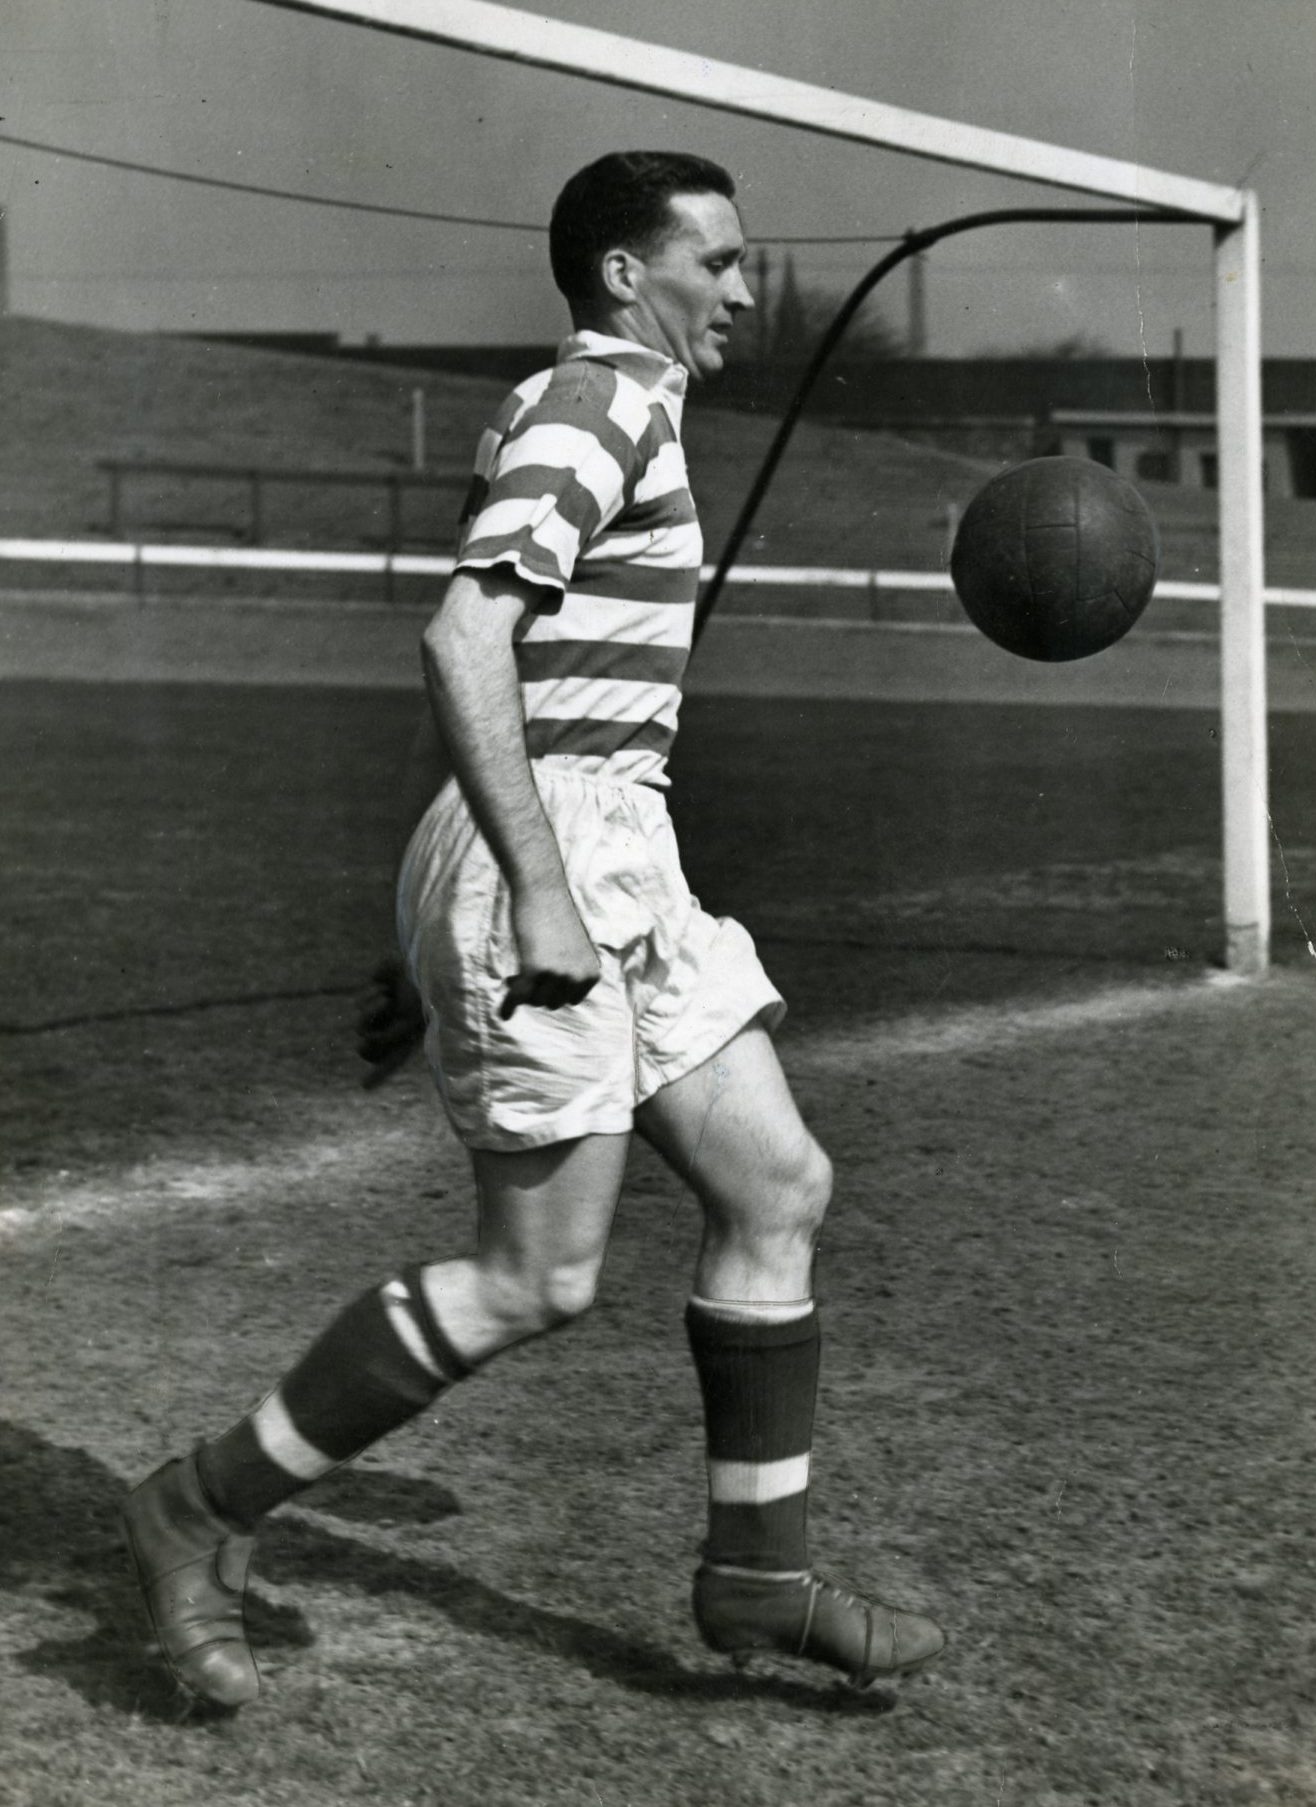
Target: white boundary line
point(992, 1028)
point(272, 558)
point(165, 1185)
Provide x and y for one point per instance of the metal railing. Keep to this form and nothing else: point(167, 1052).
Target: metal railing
point(255, 479)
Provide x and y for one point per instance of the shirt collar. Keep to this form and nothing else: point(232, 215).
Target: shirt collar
point(653, 370)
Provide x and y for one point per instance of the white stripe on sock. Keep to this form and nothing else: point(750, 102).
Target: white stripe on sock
point(757, 1483)
point(406, 1330)
point(284, 1444)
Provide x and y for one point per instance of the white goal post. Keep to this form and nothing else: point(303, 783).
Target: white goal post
point(501, 31)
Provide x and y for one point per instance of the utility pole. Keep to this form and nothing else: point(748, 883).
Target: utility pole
point(4, 265)
point(1178, 403)
point(418, 429)
point(917, 336)
point(761, 305)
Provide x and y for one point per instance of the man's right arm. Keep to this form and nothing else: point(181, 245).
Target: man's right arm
point(470, 674)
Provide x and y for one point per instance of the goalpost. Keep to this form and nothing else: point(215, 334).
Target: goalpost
point(1232, 213)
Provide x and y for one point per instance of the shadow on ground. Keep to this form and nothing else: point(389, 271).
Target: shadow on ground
point(60, 1541)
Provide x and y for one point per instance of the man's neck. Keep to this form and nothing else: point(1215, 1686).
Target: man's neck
point(619, 326)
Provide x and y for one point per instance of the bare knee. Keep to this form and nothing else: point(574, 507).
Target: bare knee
point(788, 1202)
point(529, 1302)
point(567, 1293)
point(808, 1189)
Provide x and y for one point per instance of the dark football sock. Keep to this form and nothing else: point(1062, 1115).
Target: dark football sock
point(759, 1378)
point(382, 1360)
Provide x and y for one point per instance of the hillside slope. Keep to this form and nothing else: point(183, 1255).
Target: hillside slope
point(70, 396)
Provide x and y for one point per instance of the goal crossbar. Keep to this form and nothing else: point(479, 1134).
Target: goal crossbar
point(605, 56)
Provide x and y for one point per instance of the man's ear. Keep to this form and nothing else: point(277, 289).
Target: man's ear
point(617, 272)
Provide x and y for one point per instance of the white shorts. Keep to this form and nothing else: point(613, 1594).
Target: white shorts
point(677, 983)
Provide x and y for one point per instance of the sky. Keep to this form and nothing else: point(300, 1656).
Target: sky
point(237, 89)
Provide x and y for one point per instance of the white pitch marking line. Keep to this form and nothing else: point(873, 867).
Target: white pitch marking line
point(168, 1184)
point(981, 1028)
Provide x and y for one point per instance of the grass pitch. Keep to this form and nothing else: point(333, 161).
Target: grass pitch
point(1067, 1278)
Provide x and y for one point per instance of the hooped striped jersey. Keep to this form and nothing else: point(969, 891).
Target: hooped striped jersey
point(581, 488)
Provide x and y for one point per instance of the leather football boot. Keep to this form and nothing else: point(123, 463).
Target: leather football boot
point(742, 1614)
point(192, 1568)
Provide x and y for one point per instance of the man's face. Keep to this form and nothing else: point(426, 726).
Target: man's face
point(690, 288)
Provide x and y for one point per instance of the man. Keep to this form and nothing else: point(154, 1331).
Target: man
point(573, 990)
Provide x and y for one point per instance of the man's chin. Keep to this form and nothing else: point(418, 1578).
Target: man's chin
point(711, 361)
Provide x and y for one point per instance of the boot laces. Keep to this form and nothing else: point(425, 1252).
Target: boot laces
point(826, 1582)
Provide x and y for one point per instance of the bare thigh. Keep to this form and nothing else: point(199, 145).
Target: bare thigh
point(544, 1219)
point(733, 1131)
point(548, 1209)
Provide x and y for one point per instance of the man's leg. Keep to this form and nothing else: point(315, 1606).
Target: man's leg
point(544, 1219)
point(732, 1130)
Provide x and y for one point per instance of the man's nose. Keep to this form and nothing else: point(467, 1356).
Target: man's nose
point(741, 296)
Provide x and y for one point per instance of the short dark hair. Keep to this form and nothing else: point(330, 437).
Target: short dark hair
point(622, 200)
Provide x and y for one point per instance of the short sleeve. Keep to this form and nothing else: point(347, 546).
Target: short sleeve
point(566, 465)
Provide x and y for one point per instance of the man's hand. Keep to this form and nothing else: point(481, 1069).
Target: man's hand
point(390, 1023)
point(558, 962)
